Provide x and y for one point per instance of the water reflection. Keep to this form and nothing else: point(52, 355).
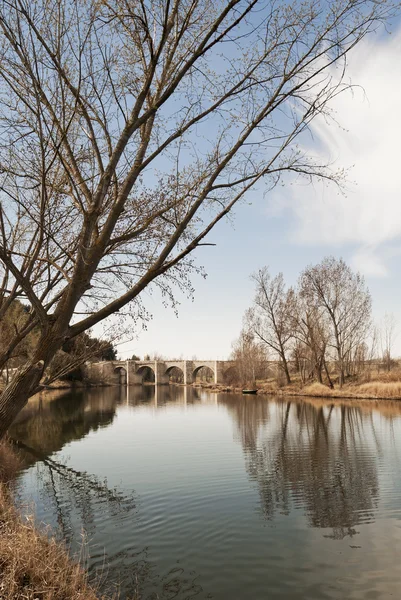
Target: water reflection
point(77, 502)
point(314, 455)
point(50, 421)
point(167, 497)
point(47, 423)
point(322, 459)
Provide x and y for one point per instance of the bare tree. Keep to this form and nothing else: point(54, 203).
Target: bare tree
point(373, 344)
point(311, 331)
point(250, 357)
point(388, 336)
point(270, 317)
point(129, 128)
point(342, 294)
point(357, 359)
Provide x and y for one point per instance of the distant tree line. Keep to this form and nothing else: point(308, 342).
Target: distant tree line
point(324, 320)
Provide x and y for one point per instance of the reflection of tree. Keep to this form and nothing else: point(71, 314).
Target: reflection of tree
point(319, 458)
point(249, 415)
point(80, 501)
point(48, 425)
point(77, 490)
point(77, 501)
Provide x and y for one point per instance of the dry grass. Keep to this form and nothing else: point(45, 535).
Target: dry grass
point(386, 376)
point(319, 390)
point(33, 565)
point(372, 385)
point(10, 463)
point(267, 387)
point(380, 389)
point(373, 389)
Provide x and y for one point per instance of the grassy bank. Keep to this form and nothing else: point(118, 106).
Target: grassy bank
point(374, 390)
point(369, 385)
point(383, 386)
point(33, 565)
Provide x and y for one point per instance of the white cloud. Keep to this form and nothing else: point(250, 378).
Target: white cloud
point(369, 141)
point(366, 261)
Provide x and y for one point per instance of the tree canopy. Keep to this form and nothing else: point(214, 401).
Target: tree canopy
point(327, 317)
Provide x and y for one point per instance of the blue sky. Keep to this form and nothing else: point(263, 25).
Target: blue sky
point(296, 225)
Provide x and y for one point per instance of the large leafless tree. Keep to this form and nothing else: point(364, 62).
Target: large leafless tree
point(333, 287)
point(270, 317)
point(129, 128)
point(311, 330)
point(250, 358)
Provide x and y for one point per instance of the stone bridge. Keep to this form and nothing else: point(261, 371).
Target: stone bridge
point(130, 372)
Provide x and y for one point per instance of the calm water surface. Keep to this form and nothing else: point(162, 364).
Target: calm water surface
point(186, 494)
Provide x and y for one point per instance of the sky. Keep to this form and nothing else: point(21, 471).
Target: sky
point(297, 225)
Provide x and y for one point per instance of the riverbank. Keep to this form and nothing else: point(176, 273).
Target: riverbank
point(368, 390)
point(373, 390)
point(34, 566)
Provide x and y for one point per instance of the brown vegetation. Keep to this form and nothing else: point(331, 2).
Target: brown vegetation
point(10, 463)
point(369, 386)
point(324, 320)
point(33, 565)
point(378, 389)
point(320, 336)
point(383, 376)
point(372, 389)
point(320, 390)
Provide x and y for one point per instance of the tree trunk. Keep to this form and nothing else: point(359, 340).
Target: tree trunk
point(303, 373)
point(18, 392)
point(318, 369)
point(341, 377)
point(340, 355)
point(26, 380)
point(331, 386)
point(286, 371)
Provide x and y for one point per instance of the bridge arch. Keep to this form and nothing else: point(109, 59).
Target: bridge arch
point(147, 374)
point(121, 373)
point(204, 372)
point(175, 374)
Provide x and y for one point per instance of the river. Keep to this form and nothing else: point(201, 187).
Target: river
point(182, 494)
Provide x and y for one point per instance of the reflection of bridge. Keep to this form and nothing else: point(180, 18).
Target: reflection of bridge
point(117, 372)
